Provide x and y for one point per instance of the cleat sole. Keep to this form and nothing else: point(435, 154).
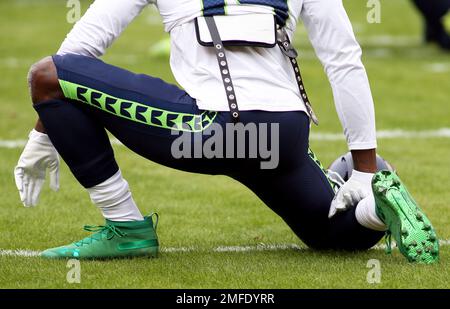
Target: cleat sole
point(410, 227)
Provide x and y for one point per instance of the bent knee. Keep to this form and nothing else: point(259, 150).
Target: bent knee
point(43, 81)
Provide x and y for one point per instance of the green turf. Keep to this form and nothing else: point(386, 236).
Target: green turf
point(208, 212)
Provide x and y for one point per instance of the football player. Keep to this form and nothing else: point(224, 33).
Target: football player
point(78, 98)
point(433, 12)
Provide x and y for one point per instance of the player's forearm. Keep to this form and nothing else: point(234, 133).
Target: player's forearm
point(332, 36)
point(353, 98)
point(365, 160)
point(355, 108)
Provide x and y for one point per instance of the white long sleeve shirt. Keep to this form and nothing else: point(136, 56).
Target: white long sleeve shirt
point(263, 77)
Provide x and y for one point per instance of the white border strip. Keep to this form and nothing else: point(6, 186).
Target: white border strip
point(250, 248)
point(384, 134)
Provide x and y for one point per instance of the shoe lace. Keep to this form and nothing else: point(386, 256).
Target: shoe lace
point(99, 231)
point(387, 239)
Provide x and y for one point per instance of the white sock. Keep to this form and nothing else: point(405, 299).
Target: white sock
point(366, 215)
point(113, 198)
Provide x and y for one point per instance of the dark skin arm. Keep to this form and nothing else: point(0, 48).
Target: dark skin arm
point(365, 160)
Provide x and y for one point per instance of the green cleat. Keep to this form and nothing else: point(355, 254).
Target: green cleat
point(413, 232)
point(113, 240)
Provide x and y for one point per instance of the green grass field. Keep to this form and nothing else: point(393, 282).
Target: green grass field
point(410, 84)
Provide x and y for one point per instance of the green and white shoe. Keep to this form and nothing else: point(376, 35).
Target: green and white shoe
point(113, 240)
point(406, 222)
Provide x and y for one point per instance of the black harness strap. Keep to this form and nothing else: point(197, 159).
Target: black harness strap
point(224, 69)
point(286, 47)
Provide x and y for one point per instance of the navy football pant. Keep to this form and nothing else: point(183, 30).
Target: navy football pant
point(143, 112)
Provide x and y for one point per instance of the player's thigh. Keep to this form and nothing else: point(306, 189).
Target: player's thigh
point(144, 113)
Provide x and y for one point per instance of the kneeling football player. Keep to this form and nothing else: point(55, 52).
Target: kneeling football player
point(238, 69)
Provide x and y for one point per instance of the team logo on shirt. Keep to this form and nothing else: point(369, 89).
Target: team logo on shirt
point(219, 7)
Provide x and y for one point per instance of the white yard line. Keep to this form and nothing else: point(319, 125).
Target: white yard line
point(19, 252)
point(389, 134)
point(383, 134)
point(438, 67)
point(259, 247)
point(250, 248)
point(389, 40)
point(18, 143)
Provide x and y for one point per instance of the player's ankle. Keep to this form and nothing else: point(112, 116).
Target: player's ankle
point(113, 198)
point(366, 215)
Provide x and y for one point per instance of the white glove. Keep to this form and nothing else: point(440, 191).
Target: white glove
point(358, 187)
point(38, 156)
